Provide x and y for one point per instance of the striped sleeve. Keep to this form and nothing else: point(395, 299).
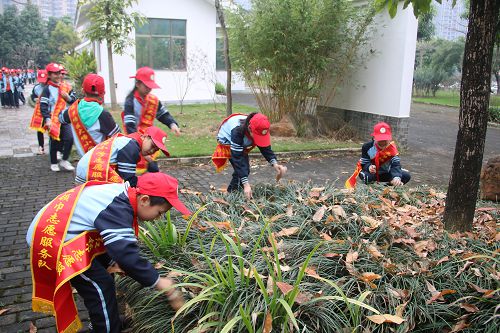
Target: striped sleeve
point(129, 118)
point(126, 159)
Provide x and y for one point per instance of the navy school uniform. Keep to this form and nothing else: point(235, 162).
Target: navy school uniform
point(132, 114)
point(107, 209)
point(231, 133)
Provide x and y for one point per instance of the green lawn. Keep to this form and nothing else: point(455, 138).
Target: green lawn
point(200, 122)
point(451, 98)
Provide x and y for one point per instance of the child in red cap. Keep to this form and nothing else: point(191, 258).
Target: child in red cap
point(116, 159)
point(80, 234)
point(380, 160)
point(54, 99)
point(237, 136)
point(142, 107)
point(90, 123)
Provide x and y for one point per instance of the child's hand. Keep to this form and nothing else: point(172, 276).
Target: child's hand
point(280, 171)
point(175, 129)
point(396, 181)
point(174, 296)
point(372, 169)
point(247, 190)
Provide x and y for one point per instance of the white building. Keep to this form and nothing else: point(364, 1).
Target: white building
point(381, 89)
point(180, 42)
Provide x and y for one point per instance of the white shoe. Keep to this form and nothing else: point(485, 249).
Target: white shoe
point(59, 156)
point(55, 167)
point(66, 165)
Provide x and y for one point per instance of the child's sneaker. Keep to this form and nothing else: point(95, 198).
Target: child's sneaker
point(55, 167)
point(66, 165)
point(41, 151)
point(59, 156)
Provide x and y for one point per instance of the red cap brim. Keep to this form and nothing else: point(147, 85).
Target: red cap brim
point(177, 204)
point(262, 140)
point(382, 137)
point(151, 84)
point(161, 146)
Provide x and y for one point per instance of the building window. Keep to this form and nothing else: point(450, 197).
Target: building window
point(220, 61)
point(161, 44)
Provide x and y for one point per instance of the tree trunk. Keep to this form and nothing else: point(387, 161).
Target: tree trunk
point(229, 95)
point(112, 86)
point(473, 120)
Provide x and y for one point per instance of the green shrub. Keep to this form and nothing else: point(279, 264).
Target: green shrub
point(321, 260)
point(494, 114)
point(220, 89)
point(78, 66)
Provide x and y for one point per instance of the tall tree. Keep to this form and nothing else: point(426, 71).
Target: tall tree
point(474, 101)
point(110, 22)
point(62, 40)
point(426, 27)
point(9, 35)
point(229, 95)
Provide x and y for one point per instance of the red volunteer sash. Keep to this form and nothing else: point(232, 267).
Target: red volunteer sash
point(380, 158)
point(36, 122)
point(55, 127)
point(54, 262)
point(222, 152)
point(384, 155)
point(148, 113)
point(83, 136)
point(99, 167)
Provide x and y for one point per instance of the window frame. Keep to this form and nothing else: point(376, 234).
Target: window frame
point(172, 38)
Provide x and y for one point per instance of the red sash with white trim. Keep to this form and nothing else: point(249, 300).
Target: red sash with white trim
point(148, 113)
point(83, 136)
point(99, 167)
point(55, 126)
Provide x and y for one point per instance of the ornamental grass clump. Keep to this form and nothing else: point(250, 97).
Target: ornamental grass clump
point(307, 259)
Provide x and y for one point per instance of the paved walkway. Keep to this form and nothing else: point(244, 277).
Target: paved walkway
point(27, 184)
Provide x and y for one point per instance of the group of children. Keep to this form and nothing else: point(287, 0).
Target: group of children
point(84, 231)
point(12, 83)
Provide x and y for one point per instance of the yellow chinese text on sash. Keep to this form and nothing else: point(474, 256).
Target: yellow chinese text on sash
point(148, 113)
point(83, 136)
point(54, 262)
point(99, 167)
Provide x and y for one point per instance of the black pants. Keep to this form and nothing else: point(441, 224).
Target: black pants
point(64, 145)
point(16, 98)
point(9, 98)
point(41, 140)
point(2, 98)
point(368, 178)
point(236, 184)
point(22, 98)
point(97, 288)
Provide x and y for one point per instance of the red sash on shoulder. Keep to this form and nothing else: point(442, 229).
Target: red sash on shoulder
point(54, 262)
point(142, 164)
point(148, 112)
point(37, 118)
point(380, 158)
point(222, 152)
point(384, 155)
point(55, 127)
point(83, 136)
point(99, 167)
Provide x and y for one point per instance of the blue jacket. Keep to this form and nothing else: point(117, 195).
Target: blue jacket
point(133, 110)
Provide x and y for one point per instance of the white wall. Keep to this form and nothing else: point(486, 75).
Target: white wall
point(237, 80)
point(383, 86)
point(200, 35)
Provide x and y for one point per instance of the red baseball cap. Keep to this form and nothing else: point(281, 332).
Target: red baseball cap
point(94, 84)
point(382, 131)
point(53, 67)
point(259, 126)
point(147, 76)
point(41, 76)
point(5, 69)
point(161, 185)
point(159, 138)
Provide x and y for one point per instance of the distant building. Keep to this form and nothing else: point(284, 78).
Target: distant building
point(48, 8)
point(448, 22)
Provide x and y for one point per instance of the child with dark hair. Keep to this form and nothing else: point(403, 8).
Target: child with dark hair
point(76, 237)
point(237, 136)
